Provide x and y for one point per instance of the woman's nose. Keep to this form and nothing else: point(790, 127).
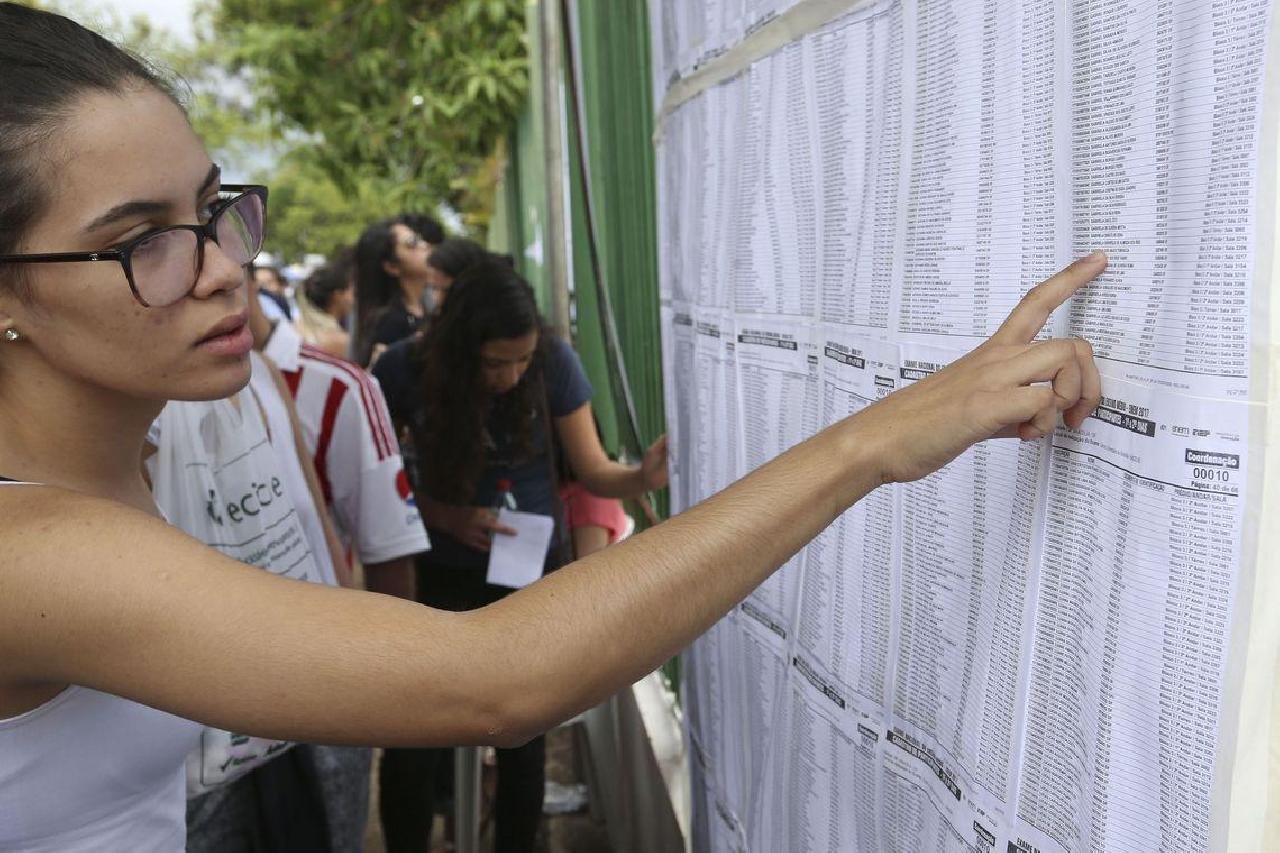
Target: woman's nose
point(219, 272)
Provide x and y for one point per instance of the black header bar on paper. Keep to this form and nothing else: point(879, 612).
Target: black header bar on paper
point(763, 618)
point(817, 681)
point(845, 358)
point(767, 339)
point(1124, 420)
point(1214, 458)
point(913, 747)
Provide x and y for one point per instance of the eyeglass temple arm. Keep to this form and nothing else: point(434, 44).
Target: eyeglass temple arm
point(63, 257)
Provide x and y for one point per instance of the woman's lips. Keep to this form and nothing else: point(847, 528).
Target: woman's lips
point(234, 342)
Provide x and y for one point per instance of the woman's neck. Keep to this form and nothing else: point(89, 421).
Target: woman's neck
point(411, 292)
point(68, 433)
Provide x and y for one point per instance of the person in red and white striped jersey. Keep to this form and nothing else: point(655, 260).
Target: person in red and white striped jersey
point(348, 431)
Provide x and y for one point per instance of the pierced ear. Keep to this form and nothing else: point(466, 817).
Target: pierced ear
point(13, 312)
point(8, 326)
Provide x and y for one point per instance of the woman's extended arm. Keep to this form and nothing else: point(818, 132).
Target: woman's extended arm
point(101, 595)
point(596, 471)
point(619, 613)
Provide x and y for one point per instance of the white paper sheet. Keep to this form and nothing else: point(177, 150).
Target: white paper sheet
point(1164, 108)
point(517, 560)
point(1030, 650)
point(1136, 601)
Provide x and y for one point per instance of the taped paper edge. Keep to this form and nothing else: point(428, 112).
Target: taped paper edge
point(797, 22)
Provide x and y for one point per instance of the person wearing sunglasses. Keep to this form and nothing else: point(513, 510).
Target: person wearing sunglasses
point(391, 279)
point(120, 636)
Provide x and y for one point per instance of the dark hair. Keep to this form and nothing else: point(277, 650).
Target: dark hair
point(454, 256)
point(344, 263)
point(323, 284)
point(46, 63)
point(488, 302)
point(426, 227)
point(376, 289)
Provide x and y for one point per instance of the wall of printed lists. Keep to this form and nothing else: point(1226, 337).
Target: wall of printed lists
point(1053, 646)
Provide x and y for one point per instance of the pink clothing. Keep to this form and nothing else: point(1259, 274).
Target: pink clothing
point(583, 509)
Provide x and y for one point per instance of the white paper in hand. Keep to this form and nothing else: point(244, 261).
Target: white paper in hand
point(516, 561)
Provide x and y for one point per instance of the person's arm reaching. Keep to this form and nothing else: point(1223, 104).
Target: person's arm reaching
point(1010, 386)
point(101, 595)
point(601, 475)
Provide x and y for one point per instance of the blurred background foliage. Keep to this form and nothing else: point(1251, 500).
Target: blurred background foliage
point(349, 111)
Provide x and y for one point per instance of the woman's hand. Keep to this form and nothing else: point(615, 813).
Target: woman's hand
point(653, 468)
point(473, 526)
point(601, 475)
point(1008, 386)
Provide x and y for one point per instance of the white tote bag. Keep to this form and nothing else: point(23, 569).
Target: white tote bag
point(215, 476)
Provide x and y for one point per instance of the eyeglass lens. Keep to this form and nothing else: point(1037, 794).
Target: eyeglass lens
point(165, 266)
point(240, 228)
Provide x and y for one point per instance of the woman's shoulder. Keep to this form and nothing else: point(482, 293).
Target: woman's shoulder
point(22, 502)
point(35, 514)
point(562, 358)
point(65, 546)
point(395, 371)
point(567, 380)
point(558, 349)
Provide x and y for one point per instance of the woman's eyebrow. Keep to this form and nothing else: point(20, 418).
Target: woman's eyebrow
point(212, 179)
point(150, 208)
point(126, 210)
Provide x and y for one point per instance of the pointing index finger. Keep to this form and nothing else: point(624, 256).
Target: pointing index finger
point(1029, 317)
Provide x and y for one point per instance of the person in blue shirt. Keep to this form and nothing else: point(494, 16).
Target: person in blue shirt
point(490, 395)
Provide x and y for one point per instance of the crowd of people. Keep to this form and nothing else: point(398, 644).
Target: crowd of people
point(452, 368)
point(169, 413)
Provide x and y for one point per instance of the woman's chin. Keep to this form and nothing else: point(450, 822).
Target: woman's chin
point(216, 383)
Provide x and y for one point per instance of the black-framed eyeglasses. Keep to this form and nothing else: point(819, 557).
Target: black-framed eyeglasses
point(162, 266)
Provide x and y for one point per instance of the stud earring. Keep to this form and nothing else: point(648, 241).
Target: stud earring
point(11, 335)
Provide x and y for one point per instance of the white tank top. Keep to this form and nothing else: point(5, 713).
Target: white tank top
point(87, 771)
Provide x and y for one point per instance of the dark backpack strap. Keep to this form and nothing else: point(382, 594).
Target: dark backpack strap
point(564, 549)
